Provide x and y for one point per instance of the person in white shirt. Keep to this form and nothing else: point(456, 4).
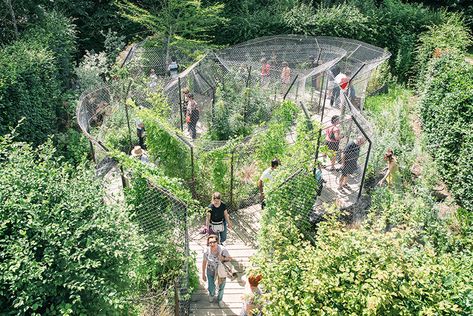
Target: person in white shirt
point(173, 68)
point(153, 80)
point(266, 176)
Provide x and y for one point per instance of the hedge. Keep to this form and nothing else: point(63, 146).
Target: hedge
point(447, 113)
point(63, 251)
point(33, 73)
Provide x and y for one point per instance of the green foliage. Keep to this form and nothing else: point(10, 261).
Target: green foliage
point(446, 112)
point(63, 250)
point(235, 113)
point(357, 271)
point(39, 57)
point(57, 33)
point(248, 19)
point(73, 146)
point(163, 144)
point(390, 114)
point(393, 24)
point(344, 20)
point(24, 68)
point(450, 36)
point(271, 142)
point(159, 217)
point(463, 183)
point(91, 70)
point(213, 172)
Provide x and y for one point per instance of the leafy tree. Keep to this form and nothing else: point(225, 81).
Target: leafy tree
point(63, 250)
point(175, 21)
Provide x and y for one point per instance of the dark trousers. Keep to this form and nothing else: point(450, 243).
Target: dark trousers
point(193, 124)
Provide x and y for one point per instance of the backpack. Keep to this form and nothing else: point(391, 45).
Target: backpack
point(331, 134)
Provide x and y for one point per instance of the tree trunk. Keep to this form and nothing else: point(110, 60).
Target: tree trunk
point(13, 18)
point(168, 42)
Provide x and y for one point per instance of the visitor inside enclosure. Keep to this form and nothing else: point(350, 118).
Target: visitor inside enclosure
point(225, 158)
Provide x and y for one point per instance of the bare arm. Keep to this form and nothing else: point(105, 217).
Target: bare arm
point(204, 268)
point(207, 220)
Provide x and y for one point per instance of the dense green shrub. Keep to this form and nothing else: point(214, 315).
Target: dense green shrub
point(390, 115)
point(58, 34)
point(343, 20)
point(362, 271)
point(25, 67)
point(392, 24)
point(237, 111)
point(33, 71)
point(452, 36)
point(159, 219)
point(446, 112)
point(170, 152)
point(462, 186)
point(63, 250)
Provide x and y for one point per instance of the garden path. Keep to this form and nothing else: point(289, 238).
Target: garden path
point(241, 244)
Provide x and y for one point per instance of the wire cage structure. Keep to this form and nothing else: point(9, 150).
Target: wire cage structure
point(326, 76)
point(235, 91)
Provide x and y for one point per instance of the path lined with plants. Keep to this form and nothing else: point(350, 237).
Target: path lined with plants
point(241, 244)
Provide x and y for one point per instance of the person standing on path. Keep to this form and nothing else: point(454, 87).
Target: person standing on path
point(350, 156)
point(192, 116)
point(285, 75)
point(214, 254)
point(141, 133)
point(265, 71)
point(266, 176)
point(217, 218)
point(173, 68)
point(332, 138)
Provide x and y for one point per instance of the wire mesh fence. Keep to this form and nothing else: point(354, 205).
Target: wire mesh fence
point(220, 103)
point(162, 219)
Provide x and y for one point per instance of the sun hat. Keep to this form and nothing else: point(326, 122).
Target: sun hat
point(137, 151)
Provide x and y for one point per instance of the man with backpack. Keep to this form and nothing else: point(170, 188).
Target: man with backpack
point(173, 68)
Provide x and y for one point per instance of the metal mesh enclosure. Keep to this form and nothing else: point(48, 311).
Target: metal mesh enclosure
point(222, 104)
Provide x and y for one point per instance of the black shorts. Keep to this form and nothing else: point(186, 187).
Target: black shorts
point(348, 169)
point(332, 145)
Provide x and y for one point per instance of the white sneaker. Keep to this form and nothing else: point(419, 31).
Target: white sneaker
point(220, 304)
point(211, 299)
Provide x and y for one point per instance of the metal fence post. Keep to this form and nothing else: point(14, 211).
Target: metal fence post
point(192, 173)
point(320, 95)
point(127, 116)
point(290, 87)
point(248, 80)
point(231, 176)
point(180, 103)
point(367, 155)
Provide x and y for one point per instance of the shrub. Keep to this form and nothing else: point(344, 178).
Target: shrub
point(43, 55)
point(24, 68)
point(57, 33)
point(63, 250)
point(446, 113)
point(357, 271)
point(450, 36)
point(343, 20)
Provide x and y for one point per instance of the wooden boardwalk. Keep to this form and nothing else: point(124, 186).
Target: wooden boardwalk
point(241, 246)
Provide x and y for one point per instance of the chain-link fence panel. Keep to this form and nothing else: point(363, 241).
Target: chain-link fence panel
point(162, 219)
